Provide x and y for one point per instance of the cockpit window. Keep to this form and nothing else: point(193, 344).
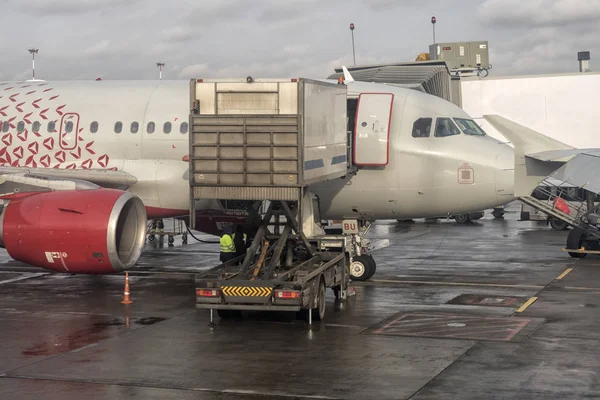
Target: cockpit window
point(445, 127)
point(422, 127)
point(469, 127)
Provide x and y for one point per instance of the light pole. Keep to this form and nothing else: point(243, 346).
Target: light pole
point(353, 54)
point(33, 53)
point(160, 65)
point(433, 21)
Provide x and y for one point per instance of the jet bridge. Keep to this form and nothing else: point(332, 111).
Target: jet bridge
point(262, 143)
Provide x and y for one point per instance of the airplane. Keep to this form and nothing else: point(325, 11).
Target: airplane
point(84, 164)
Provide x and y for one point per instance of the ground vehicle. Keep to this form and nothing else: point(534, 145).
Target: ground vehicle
point(252, 144)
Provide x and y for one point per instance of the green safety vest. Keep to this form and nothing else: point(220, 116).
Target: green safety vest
point(227, 245)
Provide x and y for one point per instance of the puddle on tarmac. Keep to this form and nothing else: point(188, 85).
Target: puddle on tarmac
point(60, 340)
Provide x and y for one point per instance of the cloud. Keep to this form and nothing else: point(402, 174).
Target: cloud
point(57, 7)
point(177, 34)
point(194, 71)
point(123, 39)
point(530, 13)
point(99, 48)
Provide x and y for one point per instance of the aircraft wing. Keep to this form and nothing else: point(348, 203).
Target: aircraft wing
point(536, 156)
point(17, 179)
point(581, 171)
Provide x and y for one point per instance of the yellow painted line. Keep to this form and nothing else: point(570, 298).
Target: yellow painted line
point(500, 285)
point(564, 274)
point(527, 304)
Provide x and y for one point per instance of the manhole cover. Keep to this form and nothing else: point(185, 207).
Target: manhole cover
point(487, 300)
point(453, 326)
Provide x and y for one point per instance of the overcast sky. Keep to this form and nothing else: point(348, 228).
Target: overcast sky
point(123, 39)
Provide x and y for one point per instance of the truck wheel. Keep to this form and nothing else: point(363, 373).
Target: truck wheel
point(574, 241)
point(319, 312)
point(558, 225)
point(462, 219)
point(360, 268)
point(498, 213)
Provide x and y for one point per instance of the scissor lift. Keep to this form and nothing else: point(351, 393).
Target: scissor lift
point(263, 143)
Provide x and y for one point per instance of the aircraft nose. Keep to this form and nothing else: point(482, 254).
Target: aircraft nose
point(505, 173)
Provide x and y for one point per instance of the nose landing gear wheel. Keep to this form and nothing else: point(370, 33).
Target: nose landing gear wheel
point(362, 268)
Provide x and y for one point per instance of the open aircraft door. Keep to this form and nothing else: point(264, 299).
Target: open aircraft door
point(372, 129)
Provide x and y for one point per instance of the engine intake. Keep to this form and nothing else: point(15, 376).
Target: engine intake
point(84, 231)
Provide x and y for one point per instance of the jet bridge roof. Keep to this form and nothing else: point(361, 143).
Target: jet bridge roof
point(431, 77)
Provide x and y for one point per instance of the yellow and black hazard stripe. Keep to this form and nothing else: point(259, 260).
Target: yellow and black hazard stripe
point(246, 291)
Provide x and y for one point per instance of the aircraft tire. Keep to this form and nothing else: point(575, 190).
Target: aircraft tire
point(373, 268)
point(361, 267)
point(574, 241)
point(462, 219)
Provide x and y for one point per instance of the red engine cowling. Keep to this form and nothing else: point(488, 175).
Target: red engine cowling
point(86, 231)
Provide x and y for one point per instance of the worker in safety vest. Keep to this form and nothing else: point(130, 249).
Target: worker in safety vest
point(239, 240)
point(227, 245)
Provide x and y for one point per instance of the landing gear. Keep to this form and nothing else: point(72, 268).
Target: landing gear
point(362, 268)
point(557, 224)
point(498, 213)
point(171, 240)
point(462, 219)
point(184, 238)
point(575, 241)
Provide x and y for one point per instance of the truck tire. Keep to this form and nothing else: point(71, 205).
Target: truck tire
point(361, 267)
point(558, 225)
point(574, 241)
point(319, 312)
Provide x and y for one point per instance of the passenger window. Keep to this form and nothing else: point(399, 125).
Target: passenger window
point(21, 126)
point(150, 127)
point(94, 127)
point(51, 126)
point(118, 127)
point(183, 128)
point(36, 126)
point(69, 127)
point(422, 127)
point(134, 127)
point(445, 127)
point(5, 126)
point(167, 127)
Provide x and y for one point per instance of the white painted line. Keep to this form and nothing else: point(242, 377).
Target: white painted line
point(26, 275)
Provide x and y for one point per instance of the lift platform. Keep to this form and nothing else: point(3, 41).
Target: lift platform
point(262, 143)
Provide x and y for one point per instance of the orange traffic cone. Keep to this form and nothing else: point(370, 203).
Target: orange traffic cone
point(126, 293)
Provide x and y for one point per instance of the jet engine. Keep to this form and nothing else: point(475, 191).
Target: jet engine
point(78, 231)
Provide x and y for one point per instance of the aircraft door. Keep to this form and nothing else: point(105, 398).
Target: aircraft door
point(69, 131)
point(372, 129)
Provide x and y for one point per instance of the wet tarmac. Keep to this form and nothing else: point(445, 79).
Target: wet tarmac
point(489, 310)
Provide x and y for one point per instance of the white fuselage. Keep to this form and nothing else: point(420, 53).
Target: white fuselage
point(112, 128)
